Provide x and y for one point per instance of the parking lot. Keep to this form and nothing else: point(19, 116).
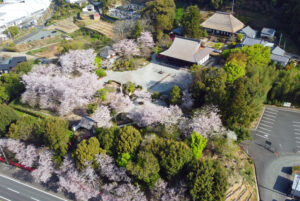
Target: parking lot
point(281, 127)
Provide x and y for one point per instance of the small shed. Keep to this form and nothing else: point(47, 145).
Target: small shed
point(96, 16)
point(249, 32)
point(107, 52)
point(267, 33)
point(87, 123)
point(8, 64)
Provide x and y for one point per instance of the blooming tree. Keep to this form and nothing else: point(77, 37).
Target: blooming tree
point(126, 47)
point(142, 95)
point(151, 114)
point(205, 122)
point(119, 102)
point(146, 39)
point(45, 167)
point(78, 60)
point(102, 116)
point(57, 91)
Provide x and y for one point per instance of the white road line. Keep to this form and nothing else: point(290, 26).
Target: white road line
point(13, 190)
point(297, 133)
point(4, 198)
point(296, 125)
point(296, 122)
point(270, 115)
point(271, 112)
point(298, 142)
point(269, 118)
point(263, 132)
point(264, 129)
point(296, 129)
point(266, 137)
point(298, 146)
point(31, 187)
point(34, 199)
point(267, 121)
point(297, 137)
point(266, 125)
point(272, 109)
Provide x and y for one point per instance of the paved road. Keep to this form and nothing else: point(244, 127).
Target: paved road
point(280, 127)
point(13, 190)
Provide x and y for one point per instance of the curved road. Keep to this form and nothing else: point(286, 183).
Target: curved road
point(14, 190)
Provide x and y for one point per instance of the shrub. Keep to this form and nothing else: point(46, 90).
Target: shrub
point(98, 61)
point(123, 159)
point(129, 87)
point(7, 116)
point(91, 108)
point(175, 95)
point(198, 143)
point(101, 72)
point(102, 93)
point(155, 95)
point(218, 46)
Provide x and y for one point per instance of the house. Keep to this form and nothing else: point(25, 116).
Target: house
point(248, 32)
point(178, 31)
point(107, 52)
point(267, 33)
point(252, 41)
point(187, 51)
point(7, 64)
point(96, 16)
point(295, 191)
point(88, 8)
point(222, 23)
point(87, 123)
point(278, 56)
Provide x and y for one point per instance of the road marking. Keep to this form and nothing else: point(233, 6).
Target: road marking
point(266, 125)
point(269, 115)
point(271, 112)
point(264, 129)
point(296, 129)
point(297, 141)
point(13, 190)
point(263, 132)
point(269, 118)
point(296, 125)
point(31, 187)
point(297, 137)
point(267, 121)
point(297, 133)
point(296, 122)
point(298, 146)
point(34, 199)
point(272, 109)
point(5, 198)
point(266, 137)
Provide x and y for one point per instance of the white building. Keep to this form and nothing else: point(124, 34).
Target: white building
point(16, 13)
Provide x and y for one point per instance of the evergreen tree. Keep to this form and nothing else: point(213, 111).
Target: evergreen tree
point(138, 29)
point(7, 116)
point(191, 21)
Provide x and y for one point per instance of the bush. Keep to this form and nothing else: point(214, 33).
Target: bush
point(198, 143)
point(195, 68)
point(175, 95)
point(106, 138)
point(98, 61)
point(129, 87)
point(128, 140)
point(218, 46)
point(123, 159)
point(155, 95)
point(23, 68)
point(91, 108)
point(101, 72)
point(7, 116)
point(102, 93)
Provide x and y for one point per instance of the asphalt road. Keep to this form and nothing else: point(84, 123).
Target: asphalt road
point(13, 190)
point(273, 166)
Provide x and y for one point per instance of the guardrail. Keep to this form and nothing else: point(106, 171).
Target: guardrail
point(17, 165)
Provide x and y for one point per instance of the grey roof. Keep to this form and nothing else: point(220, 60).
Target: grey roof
point(249, 32)
point(295, 185)
point(281, 59)
point(106, 51)
point(12, 62)
point(223, 22)
point(268, 31)
point(278, 51)
point(183, 49)
point(203, 53)
point(87, 123)
point(178, 31)
point(251, 41)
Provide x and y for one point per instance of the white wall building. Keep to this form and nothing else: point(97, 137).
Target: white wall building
point(17, 12)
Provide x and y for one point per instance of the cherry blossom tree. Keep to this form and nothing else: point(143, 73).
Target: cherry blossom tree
point(151, 114)
point(142, 95)
point(187, 100)
point(78, 60)
point(58, 92)
point(146, 39)
point(126, 47)
point(45, 167)
point(205, 122)
point(82, 184)
point(119, 102)
point(110, 170)
point(102, 116)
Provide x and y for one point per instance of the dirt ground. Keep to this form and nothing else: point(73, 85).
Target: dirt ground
point(51, 52)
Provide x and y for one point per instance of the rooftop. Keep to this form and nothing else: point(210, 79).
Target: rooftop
point(249, 32)
point(268, 31)
point(12, 62)
point(278, 51)
point(223, 22)
point(278, 58)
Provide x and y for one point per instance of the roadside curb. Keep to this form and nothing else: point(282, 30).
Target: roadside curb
point(262, 114)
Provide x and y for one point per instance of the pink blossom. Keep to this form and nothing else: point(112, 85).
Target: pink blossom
point(146, 39)
point(102, 116)
point(126, 47)
point(45, 167)
point(119, 102)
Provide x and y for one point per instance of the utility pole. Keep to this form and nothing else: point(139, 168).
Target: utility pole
point(284, 44)
point(4, 154)
point(232, 7)
point(280, 39)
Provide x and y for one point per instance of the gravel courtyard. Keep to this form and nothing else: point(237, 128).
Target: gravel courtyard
point(154, 77)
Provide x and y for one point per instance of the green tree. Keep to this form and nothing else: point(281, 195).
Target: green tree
point(98, 61)
point(7, 116)
point(11, 87)
point(56, 135)
point(175, 95)
point(123, 159)
point(22, 129)
point(239, 37)
point(138, 29)
point(101, 72)
point(207, 181)
point(145, 169)
point(216, 4)
point(191, 21)
point(162, 14)
point(107, 138)
point(234, 71)
point(86, 151)
point(128, 140)
point(198, 143)
point(13, 30)
point(91, 108)
point(23, 68)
